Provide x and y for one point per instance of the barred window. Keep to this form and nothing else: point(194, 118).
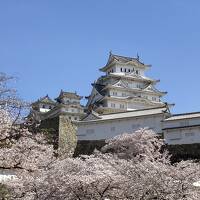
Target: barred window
point(121, 105)
point(112, 105)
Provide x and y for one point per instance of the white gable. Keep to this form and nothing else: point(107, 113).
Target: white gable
point(121, 84)
point(151, 88)
point(91, 116)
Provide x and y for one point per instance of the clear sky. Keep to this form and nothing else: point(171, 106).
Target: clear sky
point(52, 45)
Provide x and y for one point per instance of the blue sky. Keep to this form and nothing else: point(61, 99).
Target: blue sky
point(53, 45)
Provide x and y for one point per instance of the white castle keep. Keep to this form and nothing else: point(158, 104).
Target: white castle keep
point(122, 100)
point(124, 87)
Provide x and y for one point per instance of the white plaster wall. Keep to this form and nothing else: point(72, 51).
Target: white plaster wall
point(117, 104)
point(119, 92)
point(46, 106)
point(182, 136)
point(135, 84)
point(107, 129)
point(182, 122)
point(73, 110)
point(44, 110)
point(129, 67)
point(134, 106)
point(150, 97)
point(70, 100)
point(6, 175)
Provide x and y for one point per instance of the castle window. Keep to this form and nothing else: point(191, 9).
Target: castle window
point(125, 70)
point(129, 70)
point(122, 106)
point(112, 105)
point(121, 70)
point(115, 93)
point(75, 118)
point(137, 72)
point(154, 98)
point(43, 106)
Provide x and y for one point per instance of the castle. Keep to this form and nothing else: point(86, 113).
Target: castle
point(124, 87)
point(124, 99)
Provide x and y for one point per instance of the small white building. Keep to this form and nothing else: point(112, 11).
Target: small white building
point(7, 175)
point(43, 105)
point(67, 103)
point(182, 128)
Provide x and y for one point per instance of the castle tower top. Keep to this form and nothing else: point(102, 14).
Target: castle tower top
point(68, 96)
point(122, 61)
point(44, 104)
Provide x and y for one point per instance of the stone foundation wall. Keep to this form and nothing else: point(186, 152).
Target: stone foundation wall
point(67, 136)
point(61, 133)
point(51, 129)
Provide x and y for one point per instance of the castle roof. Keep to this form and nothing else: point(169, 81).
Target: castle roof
point(183, 116)
point(71, 95)
point(122, 59)
point(46, 99)
point(151, 88)
point(130, 76)
point(127, 114)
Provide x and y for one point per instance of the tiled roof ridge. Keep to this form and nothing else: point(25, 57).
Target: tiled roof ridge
point(187, 113)
point(45, 97)
point(126, 57)
point(68, 92)
point(136, 110)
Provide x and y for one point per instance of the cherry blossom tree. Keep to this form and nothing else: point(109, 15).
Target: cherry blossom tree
point(21, 151)
point(116, 175)
point(9, 99)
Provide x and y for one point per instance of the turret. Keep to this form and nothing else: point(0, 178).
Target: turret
point(44, 104)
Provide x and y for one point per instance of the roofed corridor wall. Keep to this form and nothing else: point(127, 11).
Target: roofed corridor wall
point(107, 129)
